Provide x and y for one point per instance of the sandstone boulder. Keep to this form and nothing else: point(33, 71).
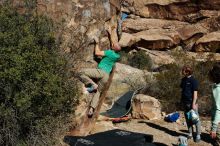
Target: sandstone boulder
point(160, 57)
point(146, 107)
point(127, 74)
point(210, 4)
point(210, 13)
point(167, 9)
point(203, 27)
point(209, 43)
point(202, 56)
point(140, 24)
point(155, 39)
point(200, 15)
point(151, 33)
point(126, 78)
point(127, 40)
point(159, 34)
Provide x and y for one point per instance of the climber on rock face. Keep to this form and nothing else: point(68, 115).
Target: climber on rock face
point(101, 73)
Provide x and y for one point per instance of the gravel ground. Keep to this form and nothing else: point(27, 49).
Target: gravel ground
point(166, 133)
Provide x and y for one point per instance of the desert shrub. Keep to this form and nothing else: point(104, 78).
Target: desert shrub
point(125, 56)
point(166, 86)
point(204, 93)
point(35, 91)
point(139, 59)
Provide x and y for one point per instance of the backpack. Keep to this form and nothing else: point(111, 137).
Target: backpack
point(173, 117)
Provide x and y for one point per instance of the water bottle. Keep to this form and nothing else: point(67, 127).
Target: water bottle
point(195, 116)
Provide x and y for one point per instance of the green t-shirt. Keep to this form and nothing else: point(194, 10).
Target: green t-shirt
point(108, 61)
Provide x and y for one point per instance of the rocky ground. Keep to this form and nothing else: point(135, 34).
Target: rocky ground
point(164, 133)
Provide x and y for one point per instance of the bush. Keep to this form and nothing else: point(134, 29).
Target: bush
point(166, 86)
point(139, 60)
point(34, 87)
point(125, 56)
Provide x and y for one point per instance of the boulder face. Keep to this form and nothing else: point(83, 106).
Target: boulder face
point(76, 22)
point(159, 34)
point(140, 24)
point(153, 25)
point(151, 33)
point(146, 107)
point(160, 57)
point(126, 78)
point(162, 25)
point(168, 9)
point(209, 43)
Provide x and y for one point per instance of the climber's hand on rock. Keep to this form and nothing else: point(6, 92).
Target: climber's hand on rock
point(96, 39)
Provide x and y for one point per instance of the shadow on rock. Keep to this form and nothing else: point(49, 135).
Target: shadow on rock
point(159, 144)
point(204, 137)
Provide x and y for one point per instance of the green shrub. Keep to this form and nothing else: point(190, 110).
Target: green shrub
point(34, 87)
point(139, 60)
point(125, 56)
point(166, 86)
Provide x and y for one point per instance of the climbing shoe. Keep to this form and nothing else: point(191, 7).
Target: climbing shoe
point(92, 88)
point(189, 136)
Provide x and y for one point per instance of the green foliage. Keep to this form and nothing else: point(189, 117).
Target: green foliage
point(125, 56)
point(139, 59)
point(166, 86)
point(201, 70)
point(34, 86)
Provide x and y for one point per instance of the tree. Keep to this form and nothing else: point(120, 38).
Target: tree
point(34, 87)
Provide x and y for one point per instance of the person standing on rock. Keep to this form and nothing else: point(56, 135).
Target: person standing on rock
point(189, 97)
point(101, 73)
point(214, 76)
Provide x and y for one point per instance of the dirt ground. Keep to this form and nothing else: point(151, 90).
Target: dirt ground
point(165, 133)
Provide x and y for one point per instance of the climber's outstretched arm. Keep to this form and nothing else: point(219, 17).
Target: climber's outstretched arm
point(111, 27)
point(98, 51)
